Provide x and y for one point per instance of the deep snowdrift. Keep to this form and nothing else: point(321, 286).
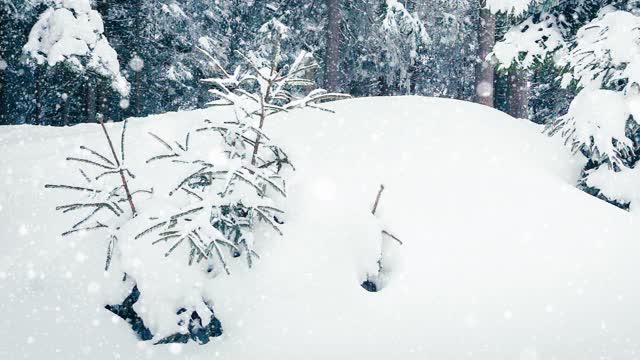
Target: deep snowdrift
point(502, 258)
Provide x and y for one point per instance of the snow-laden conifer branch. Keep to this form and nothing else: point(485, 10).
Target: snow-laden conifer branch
point(98, 201)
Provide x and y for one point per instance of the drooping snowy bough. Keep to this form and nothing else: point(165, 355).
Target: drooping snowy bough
point(597, 49)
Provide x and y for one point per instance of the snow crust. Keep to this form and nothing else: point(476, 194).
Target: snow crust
point(502, 256)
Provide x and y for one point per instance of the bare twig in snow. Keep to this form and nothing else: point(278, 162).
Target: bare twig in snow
point(375, 205)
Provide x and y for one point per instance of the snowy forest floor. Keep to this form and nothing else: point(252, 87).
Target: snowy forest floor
point(503, 258)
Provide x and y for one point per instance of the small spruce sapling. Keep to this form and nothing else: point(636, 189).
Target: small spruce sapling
point(104, 193)
point(228, 200)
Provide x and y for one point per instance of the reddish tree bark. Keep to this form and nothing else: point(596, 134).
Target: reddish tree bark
point(485, 72)
point(332, 56)
point(518, 95)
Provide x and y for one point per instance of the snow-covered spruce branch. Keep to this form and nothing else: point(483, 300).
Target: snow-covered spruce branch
point(102, 199)
point(600, 65)
point(216, 223)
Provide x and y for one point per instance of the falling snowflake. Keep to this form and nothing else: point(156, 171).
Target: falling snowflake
point(136, 63)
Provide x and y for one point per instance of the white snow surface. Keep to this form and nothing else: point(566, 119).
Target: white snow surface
point(502, 258)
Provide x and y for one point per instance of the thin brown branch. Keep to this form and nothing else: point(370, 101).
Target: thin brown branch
point(385, 232)
point(375, 205)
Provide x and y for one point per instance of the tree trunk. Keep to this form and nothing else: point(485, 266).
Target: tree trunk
point(90, 100)
point(332, 57)
point(518, 94)
point(135, 95)
point(413, 79)
point(485, 72)
point(3, 101)
point(40, 83)
point(4, 58)
point(309, 74)
point(65, 111)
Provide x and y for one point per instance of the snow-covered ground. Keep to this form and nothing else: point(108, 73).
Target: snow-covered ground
point(502, 258)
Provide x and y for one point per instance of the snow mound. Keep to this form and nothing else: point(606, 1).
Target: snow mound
point(502, 258)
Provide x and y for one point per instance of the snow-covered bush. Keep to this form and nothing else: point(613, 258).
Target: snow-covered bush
point(70, 32)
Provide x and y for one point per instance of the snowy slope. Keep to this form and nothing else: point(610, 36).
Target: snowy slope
point(502, 258)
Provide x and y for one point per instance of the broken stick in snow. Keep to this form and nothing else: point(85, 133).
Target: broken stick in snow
point(375, 208)
point(375, 205)
point(385, 232)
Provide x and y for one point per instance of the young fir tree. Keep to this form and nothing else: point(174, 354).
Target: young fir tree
point(231, 199)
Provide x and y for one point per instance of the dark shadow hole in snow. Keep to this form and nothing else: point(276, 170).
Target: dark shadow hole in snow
point(126, 312)
point(370, 285)
point(197, 332)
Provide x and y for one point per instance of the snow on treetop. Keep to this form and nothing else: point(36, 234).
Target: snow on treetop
point(607, 49)
point(71, 32)
point(274, 25)
point(535, 40)
point(515, 7)
point(399, 20)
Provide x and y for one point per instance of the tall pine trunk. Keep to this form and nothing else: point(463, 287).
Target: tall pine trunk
point(3, 101)
point(485, 72)
point(332, 57)
point(3, 108)
point(40, 74)
point(518, 94)
point(90, 100)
